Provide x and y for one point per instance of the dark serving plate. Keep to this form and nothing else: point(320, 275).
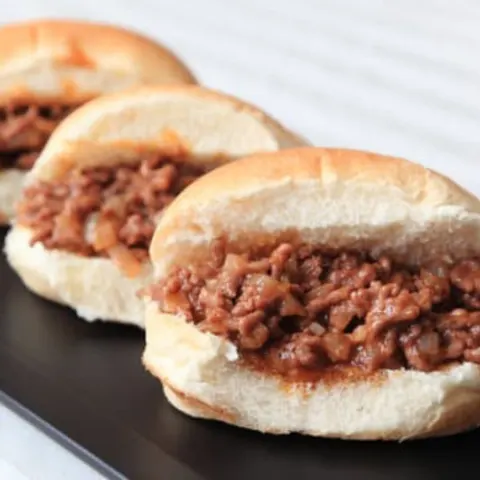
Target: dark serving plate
point(85, 386)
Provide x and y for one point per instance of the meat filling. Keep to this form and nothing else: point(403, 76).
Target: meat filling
point(106, 211)
point(24, 131)
point(299, 309)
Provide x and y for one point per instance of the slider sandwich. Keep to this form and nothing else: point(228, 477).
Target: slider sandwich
point(333, 293)
point(91, 202)
point(51, 67)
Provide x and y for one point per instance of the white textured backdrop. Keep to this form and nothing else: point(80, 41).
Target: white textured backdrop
point(395, 77)
point(400, 78)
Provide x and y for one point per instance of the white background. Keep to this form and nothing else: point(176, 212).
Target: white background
point(401, 78)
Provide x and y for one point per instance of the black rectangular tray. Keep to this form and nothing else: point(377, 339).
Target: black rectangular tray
point(85, 386)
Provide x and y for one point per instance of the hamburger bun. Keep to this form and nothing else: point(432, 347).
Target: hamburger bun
point(341, 199)
point(70, 62)
point(117, 129)
point(73, 61)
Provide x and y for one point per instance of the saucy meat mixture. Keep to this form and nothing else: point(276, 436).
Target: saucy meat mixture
point(298, 309)
point(106, 211)
point(24, 131)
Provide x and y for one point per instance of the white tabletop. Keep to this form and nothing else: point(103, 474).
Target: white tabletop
point(26, 453)
point(401, 78)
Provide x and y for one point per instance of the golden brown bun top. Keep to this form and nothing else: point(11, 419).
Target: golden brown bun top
point(77, 60)
point(341, 198)
point(117, 128)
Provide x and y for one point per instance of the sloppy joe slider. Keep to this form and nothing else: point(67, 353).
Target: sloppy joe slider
point(90, 204)
point(327, 292)
point(51, 67)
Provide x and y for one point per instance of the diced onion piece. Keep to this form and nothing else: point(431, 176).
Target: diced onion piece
point(125, 260)
point(105, 234)
point(359, 335)
point(89, 229)
point(292, 307)
point(337, 346)
point(176, 303)
point(316, 328)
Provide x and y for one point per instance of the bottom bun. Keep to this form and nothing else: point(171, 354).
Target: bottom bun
point(94, 287)
point(202, 378)
point(11, 183)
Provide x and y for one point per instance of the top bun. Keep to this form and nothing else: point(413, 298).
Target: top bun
point(336, 198)
point(74, 61)
point(116, 128)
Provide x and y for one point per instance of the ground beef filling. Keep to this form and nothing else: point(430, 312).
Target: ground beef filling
point(298, 309)
point(24, 131)
point(108, 212)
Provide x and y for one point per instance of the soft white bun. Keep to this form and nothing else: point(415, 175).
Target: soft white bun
point(116, 128)
point(11, 183)
point(339, 198)
point(93, 287)
point(119, 128)
point(201, 378)
point(74, 61)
